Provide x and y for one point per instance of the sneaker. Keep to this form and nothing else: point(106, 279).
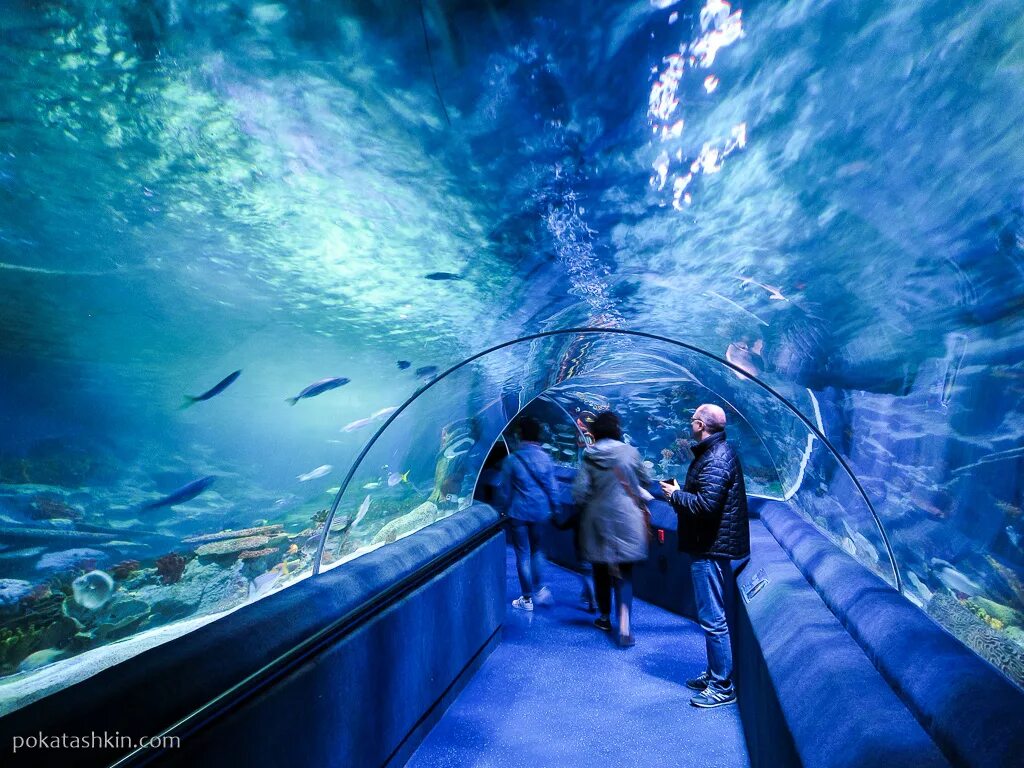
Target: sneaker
point(709, 698)
point(699, 683)
point(544, 597)
point(626, 641)
point(603, 623)
point(523, 603)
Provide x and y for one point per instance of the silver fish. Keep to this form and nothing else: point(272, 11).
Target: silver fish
point(320, 471)
point(363, 509)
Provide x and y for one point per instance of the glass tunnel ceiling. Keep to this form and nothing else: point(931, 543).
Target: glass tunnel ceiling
point(827, 195)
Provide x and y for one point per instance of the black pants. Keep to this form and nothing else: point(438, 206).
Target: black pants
point(603, 582)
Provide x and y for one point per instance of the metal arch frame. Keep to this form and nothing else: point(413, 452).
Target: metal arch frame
point(590, 331)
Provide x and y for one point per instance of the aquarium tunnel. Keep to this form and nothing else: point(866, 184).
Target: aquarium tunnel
point(278, 279)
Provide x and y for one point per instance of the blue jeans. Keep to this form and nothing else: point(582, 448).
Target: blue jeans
point(709, 580)
point(529, 559)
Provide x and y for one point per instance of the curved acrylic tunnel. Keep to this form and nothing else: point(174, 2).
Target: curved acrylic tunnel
point(424, 461)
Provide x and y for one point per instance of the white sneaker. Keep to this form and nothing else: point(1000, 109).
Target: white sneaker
point(544, 596)
point(523, 604)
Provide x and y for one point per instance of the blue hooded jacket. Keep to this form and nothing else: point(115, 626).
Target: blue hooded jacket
point(520, 495)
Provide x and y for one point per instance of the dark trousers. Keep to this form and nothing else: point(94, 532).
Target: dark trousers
point(604, 581)
point(529, 559)
point(709, 584)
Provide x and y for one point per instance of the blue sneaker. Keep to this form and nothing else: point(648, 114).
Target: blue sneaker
point(698, 683)
point(710, 697)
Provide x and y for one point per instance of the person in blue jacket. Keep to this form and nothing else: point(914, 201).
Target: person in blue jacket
point(526, 494)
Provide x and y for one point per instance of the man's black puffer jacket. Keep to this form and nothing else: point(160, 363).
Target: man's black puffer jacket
point(712, 506)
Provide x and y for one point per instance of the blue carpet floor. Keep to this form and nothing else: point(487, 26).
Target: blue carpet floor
point(558, 692)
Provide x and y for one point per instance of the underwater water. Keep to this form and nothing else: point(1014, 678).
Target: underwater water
point(340, 201)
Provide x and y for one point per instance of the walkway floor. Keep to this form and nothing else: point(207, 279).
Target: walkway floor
point(557, 692)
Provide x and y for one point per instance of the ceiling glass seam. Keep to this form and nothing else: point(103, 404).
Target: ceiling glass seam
point(589, 331)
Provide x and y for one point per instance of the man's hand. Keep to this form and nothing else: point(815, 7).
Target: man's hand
point(669, 488)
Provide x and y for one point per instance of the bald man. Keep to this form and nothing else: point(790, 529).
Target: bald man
point(713, 529)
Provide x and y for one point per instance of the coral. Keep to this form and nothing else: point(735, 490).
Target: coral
point(124, 569)
point(12, 591)
point(254, 554)
point(170, 567)
point(227, 547)
point(70, 559)
point(978, 635)
point(46, 507)
point(421, 516)
point(263, 530)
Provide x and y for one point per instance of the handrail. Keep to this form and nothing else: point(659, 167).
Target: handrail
point(589, 331)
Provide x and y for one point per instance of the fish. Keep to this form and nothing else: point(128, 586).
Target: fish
point(352, 426)
point(371, 486)
point(953, 365)
point(262, 584)
point(219, 387)
point(320, 471)
point(443, 276)
point(92, 590)
point(318, 388)
point(363, 509)
point(774, 294)
point(384, 412)
point(394, 478)
point(427, 370)
point(21, 553)
point(335, 489)
point(748, 361)
point(954, 580)
point(403, 364)
point(451, 453)
point(183, 494)
point(1013, 536)
point(863, 546)
point(922, 590)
